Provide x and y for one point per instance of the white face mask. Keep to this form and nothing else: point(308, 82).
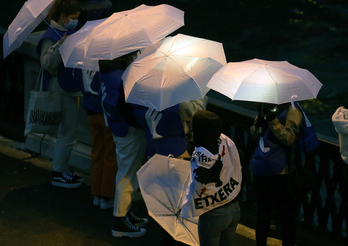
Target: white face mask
point(71, 25)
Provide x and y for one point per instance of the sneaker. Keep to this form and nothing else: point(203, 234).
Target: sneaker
point(96, 200)
point(106, 203)
point(139, 222)
point(64, 180)
point(123, 228)
point(78, 178)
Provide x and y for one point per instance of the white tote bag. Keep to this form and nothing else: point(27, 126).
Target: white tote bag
point(43, 111)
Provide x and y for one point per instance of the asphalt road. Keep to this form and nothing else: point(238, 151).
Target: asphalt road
point(34, 213)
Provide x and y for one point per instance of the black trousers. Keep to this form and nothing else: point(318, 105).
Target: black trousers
point(272, 193)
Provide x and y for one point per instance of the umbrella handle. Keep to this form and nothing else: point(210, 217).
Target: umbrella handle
point(292, 101)
point(51, 26)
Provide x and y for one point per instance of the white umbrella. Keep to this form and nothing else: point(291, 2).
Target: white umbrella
point(264, 81)
point(163, 182)
point(28, 18)
point(174, 70)
point(122, 33)
point(73, 55)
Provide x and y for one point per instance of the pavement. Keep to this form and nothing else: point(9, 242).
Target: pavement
point(34, 213)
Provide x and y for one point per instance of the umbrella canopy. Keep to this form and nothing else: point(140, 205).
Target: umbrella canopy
point(163, 182)
point(265, 81)
point(172, 71)
point(28, 18)
point(73, 55)
point(122, 33)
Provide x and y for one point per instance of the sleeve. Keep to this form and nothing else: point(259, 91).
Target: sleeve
point(340, 120)
point(287, 133)
point(50, 58)
point(188, 109)
point(254, 131)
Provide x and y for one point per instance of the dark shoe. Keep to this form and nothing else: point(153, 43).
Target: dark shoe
point(64, 180)
point(123, 228)
point(139, 222)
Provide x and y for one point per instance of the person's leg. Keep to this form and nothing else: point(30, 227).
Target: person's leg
point(228, 236)
point(110, 164)
point(67, 133)
point(109, 169)
point(66, 138)
point(212, 223)
point(286, 210)
point(130, 151)
point(263, 196)
point(97, 152)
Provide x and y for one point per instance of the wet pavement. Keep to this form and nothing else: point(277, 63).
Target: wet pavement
point(33, 212)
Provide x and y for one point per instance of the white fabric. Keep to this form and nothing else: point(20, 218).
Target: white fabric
point(163, 181)
point(73, 48)
point(43, 113)
point(173, 71)
point(259, 80)
point(28, 18)
point(87, 78)
point(120, 34)
point(203, 197)
point(340, 121)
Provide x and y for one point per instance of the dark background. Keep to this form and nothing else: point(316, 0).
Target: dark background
point(308, 34)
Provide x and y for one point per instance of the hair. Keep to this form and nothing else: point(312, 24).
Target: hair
point(206, 128)
point(66, 7)
point(121, 62)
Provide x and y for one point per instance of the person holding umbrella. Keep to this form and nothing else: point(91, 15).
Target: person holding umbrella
point(130, 146)
point(103, 149)
point(63, 17)
point(281, 132)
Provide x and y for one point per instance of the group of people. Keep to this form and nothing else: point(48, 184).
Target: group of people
point(124, 136)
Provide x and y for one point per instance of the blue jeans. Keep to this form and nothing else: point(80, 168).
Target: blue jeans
point(218, 226)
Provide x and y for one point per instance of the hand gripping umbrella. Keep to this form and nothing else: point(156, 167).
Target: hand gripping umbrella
point(122, 33)
point(28, 18)
point(264, 81)
point(163, 182)
point(172, 71)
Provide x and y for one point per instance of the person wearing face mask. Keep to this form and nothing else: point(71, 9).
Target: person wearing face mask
point(63, 18)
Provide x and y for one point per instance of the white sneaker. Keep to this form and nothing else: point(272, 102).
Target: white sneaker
point(106, 203)
point(96, 200)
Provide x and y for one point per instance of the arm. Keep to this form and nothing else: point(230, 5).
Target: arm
point(188, 109)
point(288, 132)
point(50, 57)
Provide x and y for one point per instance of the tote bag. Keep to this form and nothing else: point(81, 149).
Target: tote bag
point(43, 111)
